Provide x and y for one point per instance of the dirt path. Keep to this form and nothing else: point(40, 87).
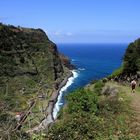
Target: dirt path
point(135, 105)
point(135, 99)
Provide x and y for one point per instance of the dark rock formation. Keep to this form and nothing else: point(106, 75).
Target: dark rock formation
point(66, 62)
point(109, 90)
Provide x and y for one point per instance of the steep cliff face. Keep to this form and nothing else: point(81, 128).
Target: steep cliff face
point(28, 51)
point(29, 64)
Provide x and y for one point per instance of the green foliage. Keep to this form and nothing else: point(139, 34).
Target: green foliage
point(82, 100)
point(77, 126)
point(29, 65)
point(117, 72)
point(132, 58)
point(28, 61)
point(98, 87)
point(90, 116)
point(38, 137)
point(7, 124)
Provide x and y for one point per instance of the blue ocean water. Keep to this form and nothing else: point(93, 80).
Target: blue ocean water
point(93, 61)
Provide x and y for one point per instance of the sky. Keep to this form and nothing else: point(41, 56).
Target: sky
point(76, 21)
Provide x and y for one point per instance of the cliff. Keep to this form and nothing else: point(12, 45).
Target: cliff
point(66, 62)
point(30, 70)
point(28, 52)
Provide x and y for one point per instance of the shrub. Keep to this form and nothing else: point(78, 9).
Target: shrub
point(77, 126)
point(98, 87)
point(116, 73)
point(82, 100)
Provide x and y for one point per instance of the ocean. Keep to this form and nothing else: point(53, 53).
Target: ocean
point(93, 61)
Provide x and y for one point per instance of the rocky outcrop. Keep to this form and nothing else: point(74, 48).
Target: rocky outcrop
point(66, 61)
point(109, 90)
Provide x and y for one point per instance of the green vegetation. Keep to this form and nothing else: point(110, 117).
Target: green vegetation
point(131, 62)
point(90, 115)
point(79, 98)
point(116, 73)
point(132, 58)
point(30, 66)
point(98, 87)
point(101, 110)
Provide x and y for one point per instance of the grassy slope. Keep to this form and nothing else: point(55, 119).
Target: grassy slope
point(114, 118)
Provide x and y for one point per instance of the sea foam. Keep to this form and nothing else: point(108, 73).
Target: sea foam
point(81, 69)
point(63, 89)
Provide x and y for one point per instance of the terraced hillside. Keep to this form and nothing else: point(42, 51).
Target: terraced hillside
point(30, 68)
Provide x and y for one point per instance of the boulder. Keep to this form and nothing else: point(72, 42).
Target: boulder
point(110, 91)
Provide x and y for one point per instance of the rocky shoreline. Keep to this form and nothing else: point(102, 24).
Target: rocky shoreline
point(48, 120)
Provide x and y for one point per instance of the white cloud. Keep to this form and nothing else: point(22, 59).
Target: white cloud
point(57, 33)
point(60, 33)
point(69, 34)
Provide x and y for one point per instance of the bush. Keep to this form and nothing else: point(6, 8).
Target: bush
point(82, 100)
point(89, 116)
point(77, 126)
point(132, 57)
point(98, 87)
point(116, 73)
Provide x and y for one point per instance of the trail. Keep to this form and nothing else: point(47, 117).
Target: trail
point(134, 105)
point(135, 100)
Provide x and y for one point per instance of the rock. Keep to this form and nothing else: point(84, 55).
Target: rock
point(105, 80)
point(66, 62)
point(109, 91)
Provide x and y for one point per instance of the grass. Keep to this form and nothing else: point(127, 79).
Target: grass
point(138, 89)
point(114, 115)
point(117, 72)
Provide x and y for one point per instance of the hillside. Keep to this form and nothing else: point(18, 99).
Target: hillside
point(31, 69)
point(132, 58)
point(31, 72)
point(130, 68)
point(105, 109)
